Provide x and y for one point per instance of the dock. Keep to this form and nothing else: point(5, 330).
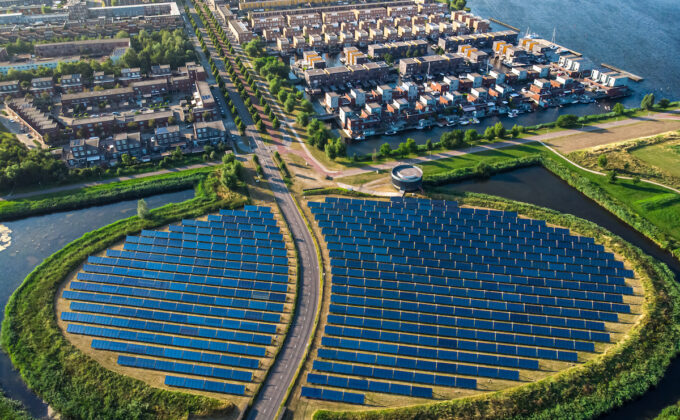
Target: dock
point(504, 24)
point(631, 76)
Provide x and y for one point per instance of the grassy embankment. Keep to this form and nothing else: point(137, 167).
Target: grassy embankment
point(625, 372)
point(72, 383)
point(102, 194)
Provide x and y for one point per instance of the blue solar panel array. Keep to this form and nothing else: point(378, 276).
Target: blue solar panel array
point(202, 301)
point(429, 294)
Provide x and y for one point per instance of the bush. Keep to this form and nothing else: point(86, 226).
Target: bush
point(567, 121)
point(602, 160)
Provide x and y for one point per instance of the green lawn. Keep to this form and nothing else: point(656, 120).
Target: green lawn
point(472, 159)
point(665, 156)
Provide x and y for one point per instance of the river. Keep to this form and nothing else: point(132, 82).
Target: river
point(27, 242)
point(538, 186)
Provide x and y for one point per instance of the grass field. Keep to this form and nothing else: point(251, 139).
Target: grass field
point(665, 156)
point(473, 159)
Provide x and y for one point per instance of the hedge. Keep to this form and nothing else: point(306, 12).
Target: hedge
point(12, 410)
point(70, 381)
point(623, 373)
point(480, 171)
point(102, 194)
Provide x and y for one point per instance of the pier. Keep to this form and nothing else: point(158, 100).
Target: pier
point(631, 76)
point(504, 24)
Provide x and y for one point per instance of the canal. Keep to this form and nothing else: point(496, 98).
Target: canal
point(27, 242)
point(539, 186)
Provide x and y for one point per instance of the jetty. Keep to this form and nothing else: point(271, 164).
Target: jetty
point(631, 76)
point(504, 24)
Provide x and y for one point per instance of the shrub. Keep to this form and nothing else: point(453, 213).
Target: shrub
point(567, 121)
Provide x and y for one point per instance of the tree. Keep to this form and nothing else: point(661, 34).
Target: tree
point(499, 130)
point(664, 103)
point(228, 158)
point(647, 102)
point(516, 130)
point(260, 126)
point(619, 109)
point(307, 106)
point(567, 121)
point(330, 150)
point(385, 150)
point(411, 145)
point(429, 145)
point(283, 95)
point(302, 119)
point(483, 170)
point(289, 106)
point(489, 133)
point(471, 136)
point(125, 159)
point(611, 177)
point(602, 161)
point(452, 139)
point(142, 209)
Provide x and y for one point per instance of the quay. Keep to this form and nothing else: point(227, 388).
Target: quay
point(633, 77)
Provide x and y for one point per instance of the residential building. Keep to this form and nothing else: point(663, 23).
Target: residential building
point(209, 132)
point(94, 47)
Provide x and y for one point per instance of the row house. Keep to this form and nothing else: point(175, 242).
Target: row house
point(373, 13)
point(10, 88)
point(161, 71)
point(316, 78)
point(337, 16)
point(204, 102)
point(271, 34)
point(306, 19)
point(150, 88)
point(130, 75)
point(433, 8)
point(209, 132)
point(34, 120)
point(477, 40)
point(473, 55)
point(402, 10)
point(40, 85)
point(575, 66)
point(292, 32)
point(283, 45)
point(240, 31)
point(101, 79)
point(167, 138)
point(196, 72)
point(181, 84)
point(474, 23)
point(94, 98)
point(260, 23)
point(125, 144)
point(84, 152)
point(71, 83)
point(430, 64)
point(399, 49)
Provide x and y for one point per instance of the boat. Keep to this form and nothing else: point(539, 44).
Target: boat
point(475, 121)
point(450, 123)
point(390, 132)
point(464, 122)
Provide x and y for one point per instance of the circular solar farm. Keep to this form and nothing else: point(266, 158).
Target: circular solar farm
point(429, 300)
point(201, 306)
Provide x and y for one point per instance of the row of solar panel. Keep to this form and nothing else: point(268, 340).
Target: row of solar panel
point(465, 314)
point(228, 240)
point(178, 318)
point(186, 368)
point(178, 297)
point(481, 299)
point(331, 395)
point(435, 354)
point(189, 265)
point(454, 269)
point(436, 228)
point(472, 255)
point(146, 257)
point(476, 334)
point(169, 353)
point(490, 256)
point(182, 275)
point(218, 224)
point(204, 385)
point(216, 267)
point(167, 340)
point(473, 248)
point(173, 306)
point(176, 256)
point(440, 325)
point(500, 282)
point(398, 375)
point(226, 231)
point(373, 386)
point(134, 324)
point(458, 229)
point(205, 250)
point(450, 343)
point(263, 243)
point(255, 292)
point(453, 286)
point(465, 308)
point(451, 272)
point(248, 219)
point(428, 366)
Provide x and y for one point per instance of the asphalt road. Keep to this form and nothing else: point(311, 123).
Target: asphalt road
point(282, 372)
